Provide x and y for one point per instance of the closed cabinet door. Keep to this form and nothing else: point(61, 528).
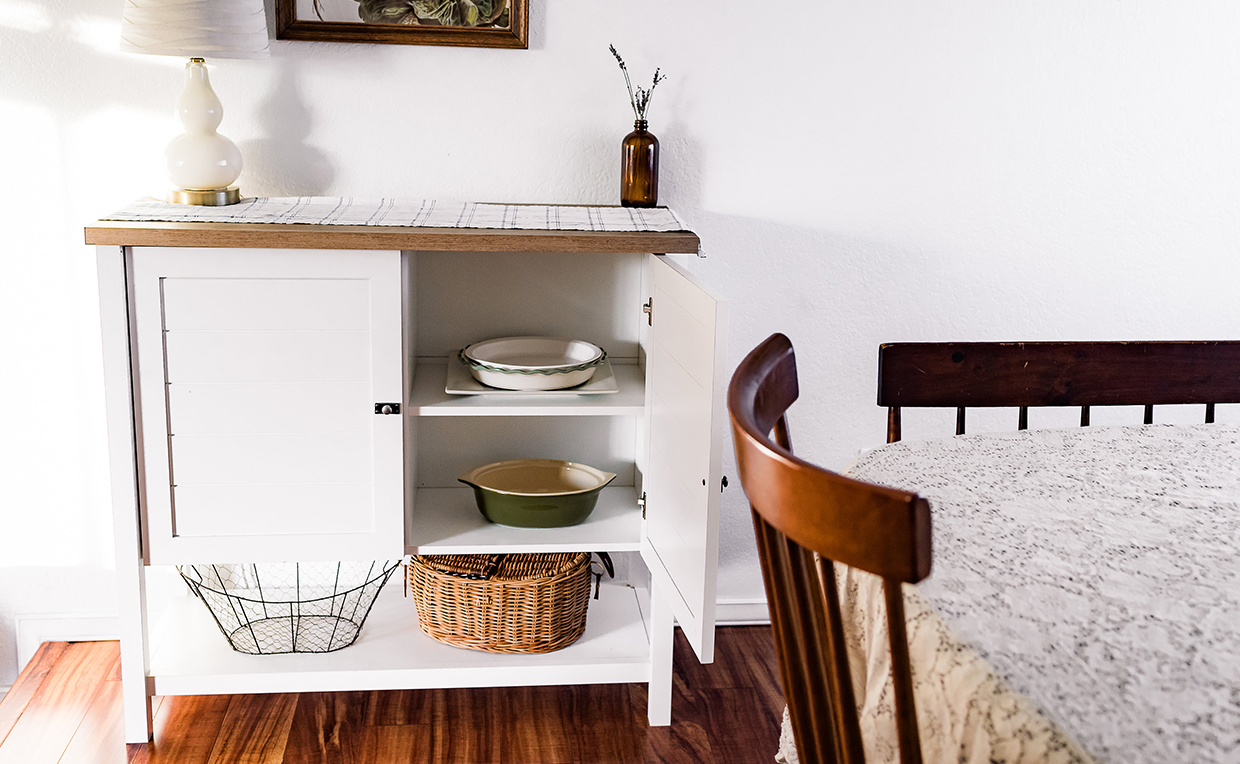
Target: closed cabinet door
point(269, 384)
point(685, 372)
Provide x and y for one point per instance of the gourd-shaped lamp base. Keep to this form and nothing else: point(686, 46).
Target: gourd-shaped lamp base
point(202, 163)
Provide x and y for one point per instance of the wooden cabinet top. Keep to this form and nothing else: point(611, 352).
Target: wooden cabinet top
point(301, 236)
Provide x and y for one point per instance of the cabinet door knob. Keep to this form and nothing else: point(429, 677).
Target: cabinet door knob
point(387, 408)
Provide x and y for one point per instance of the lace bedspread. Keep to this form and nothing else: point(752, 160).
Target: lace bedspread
point(1086, 589)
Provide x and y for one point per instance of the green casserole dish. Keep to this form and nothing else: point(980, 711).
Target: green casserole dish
point(536, 493)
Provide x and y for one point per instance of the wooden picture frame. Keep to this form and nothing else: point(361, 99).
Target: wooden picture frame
point(303, 20)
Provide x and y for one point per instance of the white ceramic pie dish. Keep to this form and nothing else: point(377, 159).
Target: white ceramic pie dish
point(459, 380)
point(532, 363)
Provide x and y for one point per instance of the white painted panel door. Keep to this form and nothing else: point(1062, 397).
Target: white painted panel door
point(685, 372)
point(258, 375)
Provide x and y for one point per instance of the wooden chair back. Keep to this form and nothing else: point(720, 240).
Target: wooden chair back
point(1029, 374)
point(806, 517)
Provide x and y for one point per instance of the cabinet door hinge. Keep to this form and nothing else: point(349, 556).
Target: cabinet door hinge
point(648, 309)
point(641, 502)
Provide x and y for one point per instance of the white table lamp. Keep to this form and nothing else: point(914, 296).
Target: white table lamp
point(202, 164)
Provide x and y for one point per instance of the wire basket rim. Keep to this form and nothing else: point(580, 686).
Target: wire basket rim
point(385, 572)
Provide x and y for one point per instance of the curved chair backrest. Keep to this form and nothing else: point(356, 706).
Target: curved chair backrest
point(806, 517)
point(1028, 374)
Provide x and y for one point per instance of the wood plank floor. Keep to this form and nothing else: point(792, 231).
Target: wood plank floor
point(65, 708)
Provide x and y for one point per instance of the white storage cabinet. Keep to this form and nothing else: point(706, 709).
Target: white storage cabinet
point(247, 372)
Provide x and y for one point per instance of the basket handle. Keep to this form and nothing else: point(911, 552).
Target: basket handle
point(598, 577)
point(493, 561)
point(493, 565)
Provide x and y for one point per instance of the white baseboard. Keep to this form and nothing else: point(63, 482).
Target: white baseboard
point(742, 612)
point(34, 630)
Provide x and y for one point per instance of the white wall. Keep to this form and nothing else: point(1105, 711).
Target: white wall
point(858, 173)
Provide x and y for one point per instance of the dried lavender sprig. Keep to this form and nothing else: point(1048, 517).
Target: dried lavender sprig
point(640, 101)
point(645, 105)
point(643, 95)
point(627, 83)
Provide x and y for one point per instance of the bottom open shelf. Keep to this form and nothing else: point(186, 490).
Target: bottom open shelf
point(193, 658)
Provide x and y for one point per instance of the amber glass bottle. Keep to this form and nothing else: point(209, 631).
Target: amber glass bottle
point(639, 168)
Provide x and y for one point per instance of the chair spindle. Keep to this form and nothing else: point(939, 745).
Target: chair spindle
point(782, 435)
point(847, 726)
point(893, 424)
point(902, 685)
point(815, 741)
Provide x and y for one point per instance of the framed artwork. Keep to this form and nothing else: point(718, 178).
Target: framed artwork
point(469, 23)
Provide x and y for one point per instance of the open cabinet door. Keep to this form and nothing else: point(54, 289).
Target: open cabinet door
point(263, 378)
point(685, 390)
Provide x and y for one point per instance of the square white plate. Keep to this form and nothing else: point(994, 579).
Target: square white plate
point(461, 382)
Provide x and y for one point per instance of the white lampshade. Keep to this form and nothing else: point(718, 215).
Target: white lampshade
point(206, 28)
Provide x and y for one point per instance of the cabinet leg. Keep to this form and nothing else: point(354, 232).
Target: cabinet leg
point(118, 367)
point(138, 722)
point(135, 689)
point(662, 632)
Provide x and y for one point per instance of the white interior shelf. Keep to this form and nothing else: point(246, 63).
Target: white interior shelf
point(447, 521)
point(429, 399)
point(193, 658)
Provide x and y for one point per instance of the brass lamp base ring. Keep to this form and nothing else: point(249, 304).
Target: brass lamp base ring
point(207, 197)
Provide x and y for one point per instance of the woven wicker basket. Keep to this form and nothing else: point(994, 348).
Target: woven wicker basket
point(516, 603)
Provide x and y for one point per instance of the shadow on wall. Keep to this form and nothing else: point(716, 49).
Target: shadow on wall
point(820, 287)
point(828, 290)
point(284, 161)
point(830, 293)
point(680, 168)
point(537, 39)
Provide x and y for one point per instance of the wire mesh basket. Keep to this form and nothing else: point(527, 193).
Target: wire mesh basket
point(266, 609)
